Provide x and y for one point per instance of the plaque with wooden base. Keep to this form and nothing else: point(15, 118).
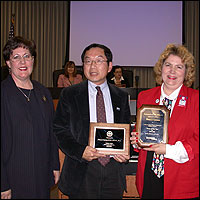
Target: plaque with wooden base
point(152, 124)
point(110, 138)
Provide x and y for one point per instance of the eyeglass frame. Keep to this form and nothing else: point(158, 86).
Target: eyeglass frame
point(97, 62)
point(22, 57)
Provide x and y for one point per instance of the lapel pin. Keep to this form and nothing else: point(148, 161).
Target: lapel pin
point(182, 101)
point(157, 100)
point(44, 98)
point(118, 108)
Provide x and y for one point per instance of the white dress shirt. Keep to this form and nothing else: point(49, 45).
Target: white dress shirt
point(107, 101)
point(177, 151)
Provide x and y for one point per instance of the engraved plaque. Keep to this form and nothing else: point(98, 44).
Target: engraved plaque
point(152, 124)
point(110, 138)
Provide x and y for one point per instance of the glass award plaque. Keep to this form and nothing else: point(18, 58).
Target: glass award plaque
point(152, 124)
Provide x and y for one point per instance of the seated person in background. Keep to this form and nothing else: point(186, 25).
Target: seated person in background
point(70, 77)
point(118, 78)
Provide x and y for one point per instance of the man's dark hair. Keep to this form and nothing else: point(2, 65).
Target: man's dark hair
point(107, 51)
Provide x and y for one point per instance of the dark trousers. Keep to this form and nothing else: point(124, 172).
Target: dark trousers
point(102, 182)
point(153, 186)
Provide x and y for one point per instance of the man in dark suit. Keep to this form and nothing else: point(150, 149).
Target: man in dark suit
point(82, 176)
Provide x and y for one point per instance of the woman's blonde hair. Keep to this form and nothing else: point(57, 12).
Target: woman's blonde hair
point(186, 57)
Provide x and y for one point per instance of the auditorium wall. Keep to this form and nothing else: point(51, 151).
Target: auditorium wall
point(47, 22)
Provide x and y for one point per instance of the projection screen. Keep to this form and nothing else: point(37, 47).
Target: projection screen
point(135, 31)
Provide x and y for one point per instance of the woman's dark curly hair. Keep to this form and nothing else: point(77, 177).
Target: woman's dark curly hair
point(14, 43)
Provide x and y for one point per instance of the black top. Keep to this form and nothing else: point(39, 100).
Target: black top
point(125, 81)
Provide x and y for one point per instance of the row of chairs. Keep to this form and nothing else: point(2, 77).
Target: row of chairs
point(126, 73)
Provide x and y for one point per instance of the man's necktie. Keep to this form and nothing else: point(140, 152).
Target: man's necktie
point(158, 159)
point(101, 117)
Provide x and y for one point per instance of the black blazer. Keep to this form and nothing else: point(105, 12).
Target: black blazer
point(71, 126)
point(28, 158)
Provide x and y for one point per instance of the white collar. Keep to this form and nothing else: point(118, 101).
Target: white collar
point(173, 95)
point(93, 86)
point(121, 79)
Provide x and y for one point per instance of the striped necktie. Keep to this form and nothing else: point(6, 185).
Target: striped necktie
point(158, 159)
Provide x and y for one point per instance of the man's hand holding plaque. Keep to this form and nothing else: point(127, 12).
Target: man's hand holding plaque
point(152, 125)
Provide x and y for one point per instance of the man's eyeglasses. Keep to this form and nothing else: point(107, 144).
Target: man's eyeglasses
point(18, 58)
point(97, 62)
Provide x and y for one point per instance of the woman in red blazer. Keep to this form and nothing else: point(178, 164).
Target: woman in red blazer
point(175, 72)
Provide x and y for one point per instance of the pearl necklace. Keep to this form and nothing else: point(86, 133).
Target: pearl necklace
point(27, 97)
